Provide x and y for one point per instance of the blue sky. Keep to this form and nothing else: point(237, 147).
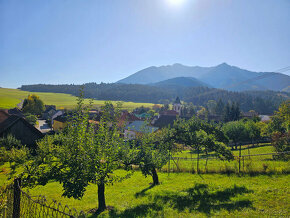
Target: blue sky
point(77, 41)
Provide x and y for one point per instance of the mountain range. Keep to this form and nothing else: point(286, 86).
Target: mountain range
point(222, 76)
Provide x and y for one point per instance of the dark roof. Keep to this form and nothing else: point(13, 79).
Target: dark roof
point(169, 113)
point(61, 118)
point(177, 100)
point(49, 107)
point(8, 122)
point(15, 111)
point(140, 126)
point(164, 121)
point(12, 119)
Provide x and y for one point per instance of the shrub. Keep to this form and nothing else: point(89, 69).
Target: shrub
point(10, 142)
point(281, 143)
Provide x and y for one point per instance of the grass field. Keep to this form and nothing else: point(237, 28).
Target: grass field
point(9, 98)
point(185, 195)
point(253, 164)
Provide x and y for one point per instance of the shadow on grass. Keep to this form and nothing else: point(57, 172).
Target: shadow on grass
point(143, 192)
point(198, 198)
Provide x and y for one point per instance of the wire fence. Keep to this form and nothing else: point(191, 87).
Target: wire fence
point(251, 163)
point(16, 203)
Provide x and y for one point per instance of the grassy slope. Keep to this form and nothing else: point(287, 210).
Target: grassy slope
point(9, 98)
point(185, 195)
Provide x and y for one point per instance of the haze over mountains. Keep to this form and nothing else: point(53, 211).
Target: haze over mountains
point(222, 76)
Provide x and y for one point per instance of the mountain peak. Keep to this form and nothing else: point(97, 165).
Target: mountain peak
point(223, 76)
point(224, 64)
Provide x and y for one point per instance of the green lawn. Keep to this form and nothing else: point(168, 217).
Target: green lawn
point(9, 98)
point(185, 195)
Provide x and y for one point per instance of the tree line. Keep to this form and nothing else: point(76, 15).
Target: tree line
point(263, 102)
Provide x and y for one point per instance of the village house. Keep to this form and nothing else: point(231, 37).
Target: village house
point(50, 110)
point(20, 129)
point(59, 123)
point(16, 111)
point(55, 115)
point(127, 118)
point(265, 118)
point(177, 106)
point(250, 114)
point(138, 127)
point(167, 118)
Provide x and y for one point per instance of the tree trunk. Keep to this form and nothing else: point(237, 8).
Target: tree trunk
point(197, 161)
point(101, 197)
point(155, 177)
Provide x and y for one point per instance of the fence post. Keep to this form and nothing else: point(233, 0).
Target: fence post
point(240, 154)
point(16, 198)
point(243, 164)
point(169, 163)
point(197, 164)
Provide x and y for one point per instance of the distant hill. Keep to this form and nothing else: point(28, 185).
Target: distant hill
point(222, 76)
point(264, 102)
point(181, 82)
point(157, 74)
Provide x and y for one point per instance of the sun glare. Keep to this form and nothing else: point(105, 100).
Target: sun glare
point(175, 2)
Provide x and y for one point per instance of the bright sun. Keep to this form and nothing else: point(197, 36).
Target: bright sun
point(176, 2)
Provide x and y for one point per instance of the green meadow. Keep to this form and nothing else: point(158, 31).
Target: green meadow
point(9, 98)
point(184, 195)
point(186, 161)
point(264, 193)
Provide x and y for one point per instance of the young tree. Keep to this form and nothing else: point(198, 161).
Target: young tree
point(253, 131)
point(280, 122)
point(33, 105)
point(235, 131)
point(151, 151)
point(83, 155)
point(201, 136)
point(279, 127)
point(208, 142)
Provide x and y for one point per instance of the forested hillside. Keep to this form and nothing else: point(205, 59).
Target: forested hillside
point(264, 102)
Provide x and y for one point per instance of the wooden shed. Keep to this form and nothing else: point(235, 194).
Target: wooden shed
point(21, 130)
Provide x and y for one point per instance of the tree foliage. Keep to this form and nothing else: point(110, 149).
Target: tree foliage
point(9, 142)
point(81, 155)
point(33, 105)
point(202, 136)
point(32, 119)
point(154, 152)
point(279, 127)
point(235, 131)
